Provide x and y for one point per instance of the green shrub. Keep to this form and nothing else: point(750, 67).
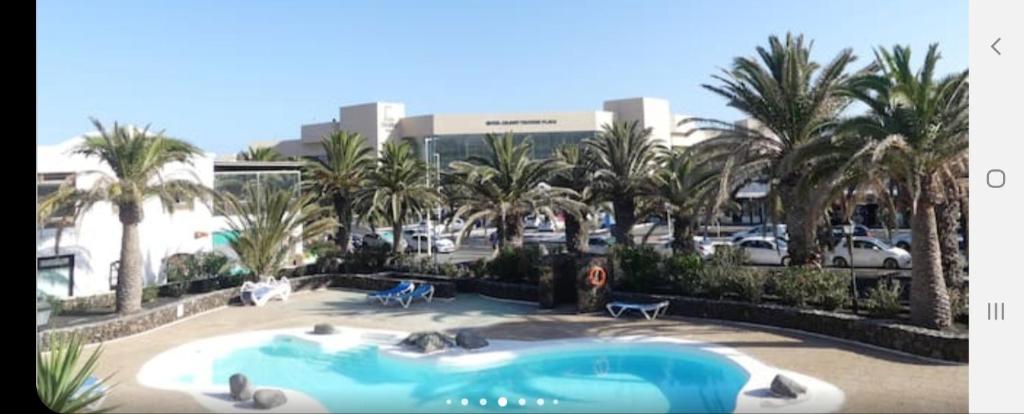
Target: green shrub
point(800, 287)
point(516, 265)
point(714, 281)
point(56, 304)
point(726, 255)
point(883, 300)
point(230, 281)
point(684, 271)
point(150, 293)
point(172, 290)
point(478, 268)
point(747, 284)
point(213, 264)
point(366, 260)
point(639, 265)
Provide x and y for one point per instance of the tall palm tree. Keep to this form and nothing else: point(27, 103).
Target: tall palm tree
point(269, 223)
point(578, 177)
point(137, 159)
point(916, 127)
point(793, 102)
point(399, 188)
point(625, 158)
point(689, 185)
point(260, 154)
point(504, 186)
point(341, 177)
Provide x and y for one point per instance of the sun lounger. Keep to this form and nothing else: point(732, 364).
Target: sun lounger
point(424, 291)
point(260, 293)
point(650, 310)
point(384, 296)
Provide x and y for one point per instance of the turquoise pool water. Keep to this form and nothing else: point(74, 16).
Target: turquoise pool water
point(603, 377)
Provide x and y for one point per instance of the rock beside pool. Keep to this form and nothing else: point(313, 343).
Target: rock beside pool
point(470, 340)
point(427, 342)
point(323, 329)
point(268, 398)
point(240, 388)
point(784, 386)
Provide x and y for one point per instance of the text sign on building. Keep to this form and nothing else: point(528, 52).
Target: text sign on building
point(523, 122)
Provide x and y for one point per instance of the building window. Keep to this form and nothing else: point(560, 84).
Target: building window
point(46, 185)
point(235, 183)
point(55, 275)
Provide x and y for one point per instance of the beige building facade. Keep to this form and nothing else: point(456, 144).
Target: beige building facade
point(457, 136)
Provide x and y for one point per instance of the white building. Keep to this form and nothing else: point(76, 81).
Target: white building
point(85, 262)
point(94, 241)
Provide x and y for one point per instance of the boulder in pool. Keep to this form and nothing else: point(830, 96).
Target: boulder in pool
point(786, 387)
point(470, 340)
point(267, 398)
point(323, 329)
point(427, 342)
point(241, 390)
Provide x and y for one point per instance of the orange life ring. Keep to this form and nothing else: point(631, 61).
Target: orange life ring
point(597, 276)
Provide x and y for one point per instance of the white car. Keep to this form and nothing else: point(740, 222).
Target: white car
point(765, 250)
point(551, 225)
point(763, 230)
point(418, 242)
point(870, 252)
point(600, 244)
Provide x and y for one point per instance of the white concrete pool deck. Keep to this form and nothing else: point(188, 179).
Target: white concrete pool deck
point(872, 380)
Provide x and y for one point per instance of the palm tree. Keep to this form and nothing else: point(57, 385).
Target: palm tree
point(625, 158)
point(504, 186)
point(399, 188)
point(578, 178)
point(269, 223)
point(793, 102)
point(341, 177)
point(916, 129)
point(137, 159)
point(688, 185)
point(260, 154)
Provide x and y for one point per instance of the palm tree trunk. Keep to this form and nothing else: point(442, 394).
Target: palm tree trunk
point(801, 224)
point(625, 216)
point(948, 217)
point(682, 234)
point(929, 300)
point(344, 212)
point(576, 235)
point(129, 273)
point(512, 232)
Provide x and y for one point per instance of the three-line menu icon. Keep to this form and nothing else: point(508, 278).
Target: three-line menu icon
point(996, 311)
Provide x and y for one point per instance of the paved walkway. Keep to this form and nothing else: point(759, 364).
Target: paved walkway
point(874, 380)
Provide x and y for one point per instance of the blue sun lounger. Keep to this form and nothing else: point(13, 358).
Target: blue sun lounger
point(650, 310)
point(384, 296)
point(423, 291)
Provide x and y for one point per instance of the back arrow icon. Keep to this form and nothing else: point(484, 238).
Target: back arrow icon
point(994, 46)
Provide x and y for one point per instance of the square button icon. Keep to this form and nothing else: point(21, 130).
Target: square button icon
point(996, 178)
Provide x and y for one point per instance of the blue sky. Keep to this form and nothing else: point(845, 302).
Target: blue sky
point(224, 73)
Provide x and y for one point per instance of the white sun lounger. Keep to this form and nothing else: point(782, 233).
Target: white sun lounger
point(260, 293)
point(650, 310)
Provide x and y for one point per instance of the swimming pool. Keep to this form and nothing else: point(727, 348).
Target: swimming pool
point(362, 371)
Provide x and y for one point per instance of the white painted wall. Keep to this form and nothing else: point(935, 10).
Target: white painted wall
point(96, 238)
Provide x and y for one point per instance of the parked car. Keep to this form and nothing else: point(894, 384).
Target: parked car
point(870, 252)
point(763, 230)
point(765, 250)
point(550, 225)
point(839, 233)
point(374, 240)
point(455, 225)
point(600, 244)
point(418, 242)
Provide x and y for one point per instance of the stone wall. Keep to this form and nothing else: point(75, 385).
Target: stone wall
point(504, 290)
point(81, 303)
point(943, 345)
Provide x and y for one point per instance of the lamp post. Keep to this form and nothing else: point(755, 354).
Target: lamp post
point(848, 231)
point(430, 228)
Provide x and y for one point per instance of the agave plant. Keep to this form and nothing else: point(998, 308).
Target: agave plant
point(138, 159)
point(61, 378)
point(505, 185)
point(270, 223)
